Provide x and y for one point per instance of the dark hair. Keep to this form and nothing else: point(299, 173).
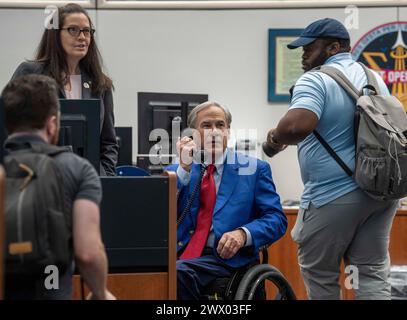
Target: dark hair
point(344, 44)
point(29, 101)
point(51, 52)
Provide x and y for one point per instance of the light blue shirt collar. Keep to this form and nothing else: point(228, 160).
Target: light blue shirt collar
point(338, 57)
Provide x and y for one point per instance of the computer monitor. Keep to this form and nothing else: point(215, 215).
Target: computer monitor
point(162, 111)
point(80, 128)
point(3, 133)
point(124, 136)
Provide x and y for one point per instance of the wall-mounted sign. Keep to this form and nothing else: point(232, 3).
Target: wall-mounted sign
point(384, 49)
point(284, 64)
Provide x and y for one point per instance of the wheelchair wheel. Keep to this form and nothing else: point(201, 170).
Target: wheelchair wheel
point(259, 274)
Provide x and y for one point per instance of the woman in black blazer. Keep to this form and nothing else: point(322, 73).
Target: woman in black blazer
point(70, 55)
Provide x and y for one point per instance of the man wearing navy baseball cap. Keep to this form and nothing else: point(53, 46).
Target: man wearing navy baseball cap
point(337, 220)
point(324, 28)
point(327, 32)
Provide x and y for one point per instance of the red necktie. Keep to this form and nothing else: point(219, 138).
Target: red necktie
point(207, 204)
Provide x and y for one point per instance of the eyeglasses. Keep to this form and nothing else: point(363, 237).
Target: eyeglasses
point(76, 31)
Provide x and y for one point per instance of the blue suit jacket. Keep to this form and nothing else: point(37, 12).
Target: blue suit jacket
point(248, 200)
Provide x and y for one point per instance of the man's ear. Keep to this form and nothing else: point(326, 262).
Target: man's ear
point(333, 48)
point(51, 127)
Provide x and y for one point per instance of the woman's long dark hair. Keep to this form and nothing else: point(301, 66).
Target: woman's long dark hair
point(51, 53)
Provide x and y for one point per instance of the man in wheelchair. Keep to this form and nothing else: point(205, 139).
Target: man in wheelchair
point(228, 207)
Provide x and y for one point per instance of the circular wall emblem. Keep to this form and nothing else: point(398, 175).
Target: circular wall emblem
point(384, 50)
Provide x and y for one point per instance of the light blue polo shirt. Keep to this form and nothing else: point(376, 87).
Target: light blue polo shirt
point(324, 180)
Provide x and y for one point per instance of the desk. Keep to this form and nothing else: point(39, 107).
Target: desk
point(283, 254)
point(146, 284)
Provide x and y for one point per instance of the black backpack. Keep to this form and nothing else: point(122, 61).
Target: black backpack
point(37, 226)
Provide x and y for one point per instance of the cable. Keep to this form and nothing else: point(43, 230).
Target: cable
point(193, 194)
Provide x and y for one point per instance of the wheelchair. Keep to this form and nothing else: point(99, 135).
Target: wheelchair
point(248, 283)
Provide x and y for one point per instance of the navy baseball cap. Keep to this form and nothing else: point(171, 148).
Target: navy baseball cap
point(324, 28)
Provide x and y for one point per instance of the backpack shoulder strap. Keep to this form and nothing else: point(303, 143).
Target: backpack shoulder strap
point(44, 148)
point(49, 149)
point(351, 90)
point(333, 154)
point(341, 79)
point(372, 83)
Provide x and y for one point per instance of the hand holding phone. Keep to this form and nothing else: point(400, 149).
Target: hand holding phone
point(186, 148)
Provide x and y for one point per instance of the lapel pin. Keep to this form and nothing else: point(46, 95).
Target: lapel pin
point(86, 85)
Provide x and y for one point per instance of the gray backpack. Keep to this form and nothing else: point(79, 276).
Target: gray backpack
point(380, 139)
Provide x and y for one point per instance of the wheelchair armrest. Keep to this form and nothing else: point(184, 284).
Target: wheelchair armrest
point(264, 255)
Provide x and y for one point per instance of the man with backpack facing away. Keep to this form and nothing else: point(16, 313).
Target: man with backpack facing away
point(52, 200)
point(337, 219)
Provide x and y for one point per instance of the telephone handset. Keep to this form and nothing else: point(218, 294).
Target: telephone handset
point(199, 157)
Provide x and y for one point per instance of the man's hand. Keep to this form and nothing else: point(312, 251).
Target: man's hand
point(272, 143)
point(107, 296)
point(230, 243)
point(185, 147)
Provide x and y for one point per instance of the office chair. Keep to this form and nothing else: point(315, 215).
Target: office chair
point(127, 171)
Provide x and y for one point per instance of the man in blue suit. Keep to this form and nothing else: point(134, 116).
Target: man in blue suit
point(228, 207)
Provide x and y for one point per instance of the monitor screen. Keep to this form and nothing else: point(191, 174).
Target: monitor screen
point(166, 111)
point(80, 128)
point(3, 133)
point(124, 136)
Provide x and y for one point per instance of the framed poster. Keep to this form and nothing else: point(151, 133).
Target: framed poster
point(284, 64)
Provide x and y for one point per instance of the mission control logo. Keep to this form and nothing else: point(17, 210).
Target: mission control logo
point(384, 50)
